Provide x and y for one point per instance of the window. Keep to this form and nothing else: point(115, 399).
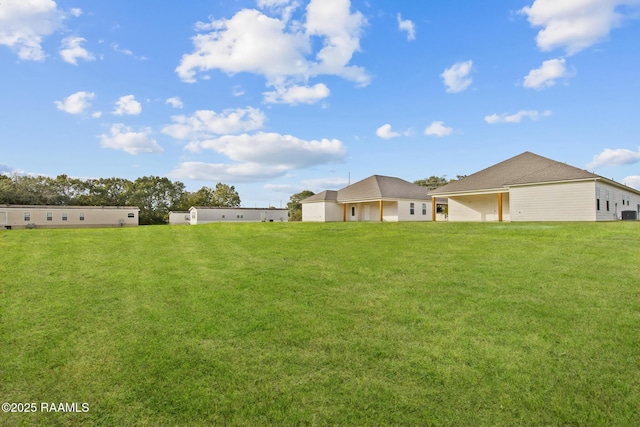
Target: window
point(193, 215)
point(597, 204)
point(353, 211)
point(222, 216)
point(131, 215)
point(49, 216)
point(606, 196)
point(64, 216)
point(81, 216)
point(598, 198)
point(424, 209)
point(27, 216)
point(412, 208)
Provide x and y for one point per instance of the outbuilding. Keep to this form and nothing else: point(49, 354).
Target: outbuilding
point(529, 187)
point(203, 215)
point(45, 216)
point(179, 218)
point(377, 198)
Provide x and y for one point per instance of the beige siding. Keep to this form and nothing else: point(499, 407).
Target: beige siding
point(67, 216)
point(321, 212)
point(179, 218)
point(619, 200)
point(554, 202)
point(478, 208)
point(404, 210)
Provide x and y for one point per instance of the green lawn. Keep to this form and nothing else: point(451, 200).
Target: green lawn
point(323, 324)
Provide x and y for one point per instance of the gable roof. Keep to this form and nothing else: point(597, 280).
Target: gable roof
point(378, 187)
point(526, 168)
point(321, 197)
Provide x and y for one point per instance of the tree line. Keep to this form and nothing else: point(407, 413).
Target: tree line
point(154, 195)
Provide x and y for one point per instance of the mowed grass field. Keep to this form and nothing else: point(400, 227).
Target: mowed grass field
point(323, 324)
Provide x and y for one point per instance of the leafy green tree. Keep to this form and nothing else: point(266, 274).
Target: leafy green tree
point(432, 182)
point(156, 196)
point(225, 196)
point(295, 205)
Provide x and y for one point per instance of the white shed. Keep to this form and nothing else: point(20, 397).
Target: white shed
point(203, 215)
point(179, 218)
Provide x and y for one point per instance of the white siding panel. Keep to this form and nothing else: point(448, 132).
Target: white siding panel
point(313, 212)
point(619, 200)
point(404, 210)
point(206, 215)
point(554, 202)
point(477, 208)
point(321, 212)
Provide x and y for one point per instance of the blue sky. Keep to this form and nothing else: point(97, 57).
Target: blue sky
point(279, 96)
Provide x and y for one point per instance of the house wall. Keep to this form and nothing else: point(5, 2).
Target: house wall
point(204, 215)
point(179, 218)
point(321, 212)
point(619, 200)
point(404, 210)
point(554, 202)
point(479, 208)
point(52, 216)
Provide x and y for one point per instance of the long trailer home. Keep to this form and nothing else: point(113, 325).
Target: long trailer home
point(45, 216)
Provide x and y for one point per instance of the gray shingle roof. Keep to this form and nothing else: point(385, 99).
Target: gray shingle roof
point(378, 187)
point(323, 196)
point(526, 168)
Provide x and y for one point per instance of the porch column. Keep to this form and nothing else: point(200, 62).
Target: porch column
point(344, 212)
point(433, 209)
point(380, 210)
point(499, 207)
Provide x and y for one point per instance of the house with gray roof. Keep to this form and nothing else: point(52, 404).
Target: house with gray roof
point(529, 187)
point(377, 198)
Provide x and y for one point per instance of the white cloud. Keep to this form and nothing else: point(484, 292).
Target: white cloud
point(517, 117)
point(284, 8)
point(547, 74)
point(71, 51)
point(118, 49)
point(456, 78)
point(76, 103)
point(175, 102)
point(281, 51)
point(618, 157)
point(438, 128)
point(632, 181)
point(283, 151)
point(75, 12)
point(218, 172)
point(237, 90)
point(124, 138)
point(96, 115)
point(204, 124)
point(248, 42)
point(321, 184)
point(385, 132)
point(574, 24)
point(260, 157)
point(408, 26)
point(297, 94)
point(316, 185)
point(127, 105)
point(24, 24)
